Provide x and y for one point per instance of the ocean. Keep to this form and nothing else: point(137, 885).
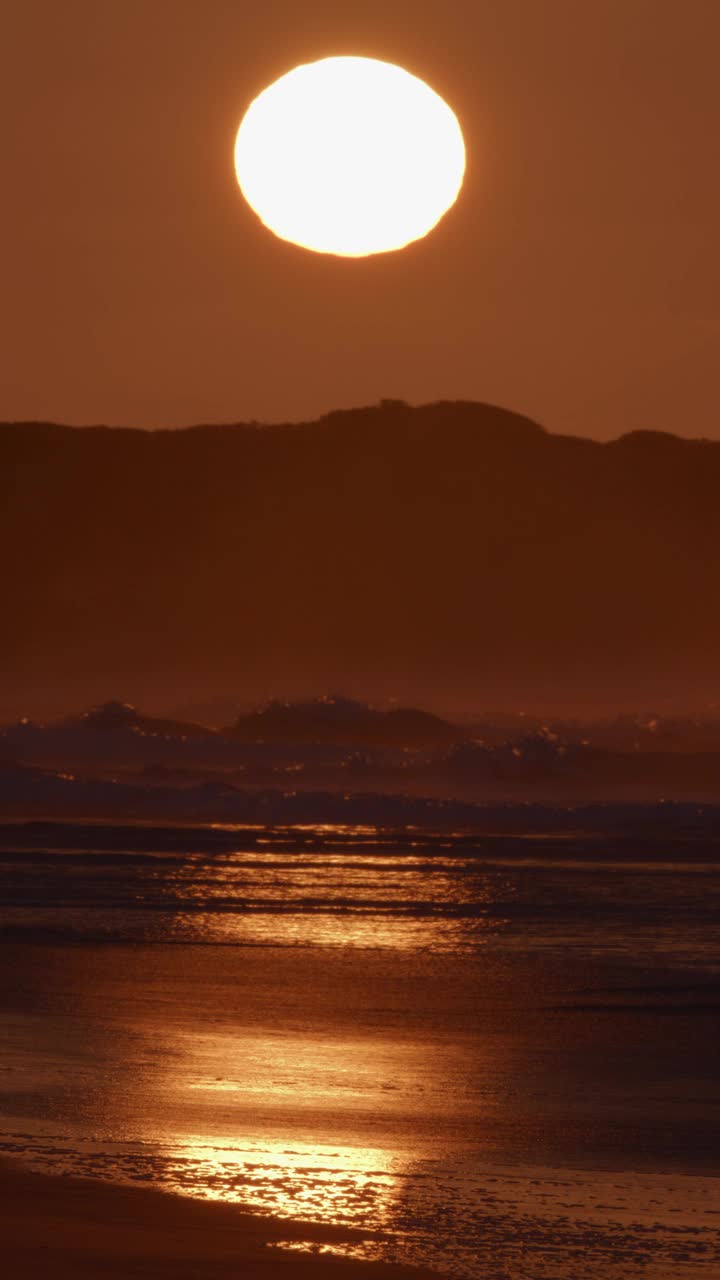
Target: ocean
point(496, 1055)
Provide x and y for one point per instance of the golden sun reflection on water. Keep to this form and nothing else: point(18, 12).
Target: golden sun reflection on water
point(369, 897)
point(329, 929)
point(289, 1178)
point(268, 1077)
point(345, 1044)
point(324, 1128)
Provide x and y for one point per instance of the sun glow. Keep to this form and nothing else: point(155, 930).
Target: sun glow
point(350, 156)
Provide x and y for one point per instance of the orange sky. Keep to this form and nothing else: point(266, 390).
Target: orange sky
point(576, 280)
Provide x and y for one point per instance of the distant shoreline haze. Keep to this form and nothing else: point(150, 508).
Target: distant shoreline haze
point(333, 756)
point(453, 555)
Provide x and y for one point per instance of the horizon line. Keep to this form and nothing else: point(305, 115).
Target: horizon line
point(383, 405)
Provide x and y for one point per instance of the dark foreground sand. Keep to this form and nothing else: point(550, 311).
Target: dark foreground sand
point(67, 1228)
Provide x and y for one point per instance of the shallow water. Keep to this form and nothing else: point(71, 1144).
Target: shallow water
point(500, 1054)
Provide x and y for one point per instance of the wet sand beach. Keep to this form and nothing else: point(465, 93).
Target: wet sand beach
point(407, 1050)
point(72, 1229)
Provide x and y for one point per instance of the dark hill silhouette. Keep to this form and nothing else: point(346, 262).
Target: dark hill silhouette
point(114, 717)
point(343, 720)
point(453, 549)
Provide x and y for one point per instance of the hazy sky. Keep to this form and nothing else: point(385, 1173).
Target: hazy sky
point(577, 279)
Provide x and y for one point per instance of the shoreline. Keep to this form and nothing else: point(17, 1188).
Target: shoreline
point(80, 1229)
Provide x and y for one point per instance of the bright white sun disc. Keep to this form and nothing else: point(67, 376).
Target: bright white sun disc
point(350, 156)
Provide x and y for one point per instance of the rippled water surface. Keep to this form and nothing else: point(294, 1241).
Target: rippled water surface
point(489, 1052)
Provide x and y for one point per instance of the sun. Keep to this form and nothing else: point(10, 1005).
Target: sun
point(350, 156)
